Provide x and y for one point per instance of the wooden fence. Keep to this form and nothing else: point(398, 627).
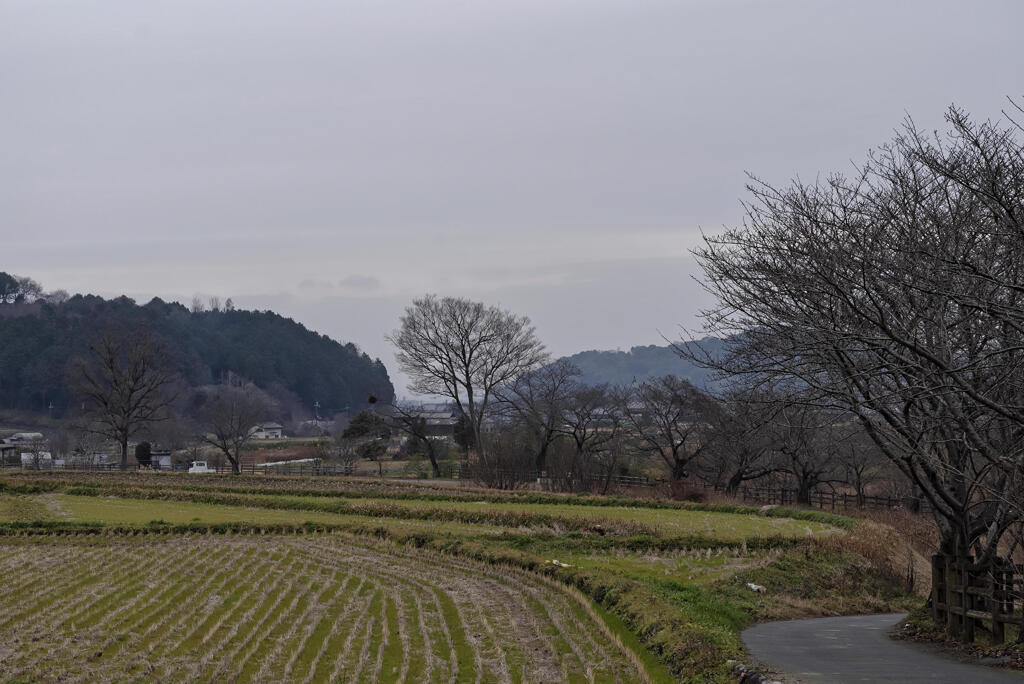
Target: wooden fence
point(967, 600)
point(783, 496)
point(462, 471)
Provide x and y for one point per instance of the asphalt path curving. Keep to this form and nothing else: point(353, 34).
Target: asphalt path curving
point(857, 649)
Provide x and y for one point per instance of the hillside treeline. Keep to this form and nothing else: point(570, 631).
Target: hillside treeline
point(39, 339)
point(644, 363)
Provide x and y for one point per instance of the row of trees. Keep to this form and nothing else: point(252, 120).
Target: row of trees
point(667, 425)
point(887, 305)
point(22, 289)
point(526, 415)
point(39, 341)
point(128, 388)
point(896, 297)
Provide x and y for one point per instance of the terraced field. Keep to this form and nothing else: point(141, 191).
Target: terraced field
point(289, 608)
point(667, 522)
point(144, 577)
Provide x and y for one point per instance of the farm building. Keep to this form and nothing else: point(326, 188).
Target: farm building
point(268, 431)
point(37, 460)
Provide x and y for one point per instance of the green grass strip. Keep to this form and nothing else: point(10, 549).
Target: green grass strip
point(464, 658)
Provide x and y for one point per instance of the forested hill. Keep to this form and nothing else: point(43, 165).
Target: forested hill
point(641, 363)
point(38, 341)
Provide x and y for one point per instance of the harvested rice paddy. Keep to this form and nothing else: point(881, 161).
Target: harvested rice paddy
point(289, 608)
point(143, 577)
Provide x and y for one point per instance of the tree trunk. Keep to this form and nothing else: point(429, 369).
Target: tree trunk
point(432, 456)
point(678, 469)
point(803, 492)
point(541, 462)
point(124, 453)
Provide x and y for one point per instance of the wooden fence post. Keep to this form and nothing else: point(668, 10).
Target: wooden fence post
point(967, 601)
point(997, 603)
point(938, 588)
point(950, 573)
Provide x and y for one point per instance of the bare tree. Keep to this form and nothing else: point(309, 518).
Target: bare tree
point(14, 288)
point(84, 446)
point(197, 304)
point(897, 296)
point(668, 418)
point(57, 296)
point(861, 461)
point(509, 465)
point(593, 424)
point(539, 400)
point(125, 384)
point(741, 444)
point(368, 434)
point(464, 350)
point(230, 416)
point(346, 452)
point(409, 419)
point(38, 452)
point(807, 441)
point(28, 290)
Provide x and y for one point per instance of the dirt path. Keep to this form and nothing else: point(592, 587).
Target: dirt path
point(857, 649)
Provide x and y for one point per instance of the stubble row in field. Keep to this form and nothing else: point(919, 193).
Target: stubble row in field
point(297, 609)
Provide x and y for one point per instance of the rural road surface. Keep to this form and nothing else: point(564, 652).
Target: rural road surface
point(856, 649)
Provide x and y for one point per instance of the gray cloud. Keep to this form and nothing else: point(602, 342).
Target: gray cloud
point(311, 284)
point(359, 283)
point(552, 155)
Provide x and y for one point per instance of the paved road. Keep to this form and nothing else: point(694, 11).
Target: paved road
point(856, 649)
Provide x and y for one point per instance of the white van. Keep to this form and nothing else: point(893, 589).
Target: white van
point(200, 467)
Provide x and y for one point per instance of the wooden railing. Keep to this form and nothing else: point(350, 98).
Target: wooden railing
point(967, 600)
point(786, 496)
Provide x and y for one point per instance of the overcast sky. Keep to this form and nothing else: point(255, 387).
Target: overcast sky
point(333, 160)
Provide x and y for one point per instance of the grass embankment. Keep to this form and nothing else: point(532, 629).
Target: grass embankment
point(672, 576)
point(365, 488)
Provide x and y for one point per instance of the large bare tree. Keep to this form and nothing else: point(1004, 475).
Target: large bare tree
point(539, 400)
point(668, 417)
point(230, 416)
point(465, 350)
point(126, 384)
point(807, 441)
point(593, 424)
point(897, 295)
point(741, 441)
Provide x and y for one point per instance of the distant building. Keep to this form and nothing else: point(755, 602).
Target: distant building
point(267, 431)
point(18, 443)
point(438, 418)
point(25, 437)
point(161, 459)
point(38, 460)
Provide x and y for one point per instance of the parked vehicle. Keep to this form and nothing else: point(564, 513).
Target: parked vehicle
point(201, 467)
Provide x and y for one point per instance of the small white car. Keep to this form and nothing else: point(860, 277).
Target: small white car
point(200, 467)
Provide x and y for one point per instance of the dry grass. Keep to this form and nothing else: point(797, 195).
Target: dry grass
point(311, 608)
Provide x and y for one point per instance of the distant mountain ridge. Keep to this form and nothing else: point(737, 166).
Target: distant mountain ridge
point(39, 340)
point(644, 362)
